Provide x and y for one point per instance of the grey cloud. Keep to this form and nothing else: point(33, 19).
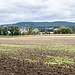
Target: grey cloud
point(36, 10)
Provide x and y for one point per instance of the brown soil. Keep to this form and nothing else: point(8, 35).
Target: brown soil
point(15, 67)
point(9, 66)
point(38, 42)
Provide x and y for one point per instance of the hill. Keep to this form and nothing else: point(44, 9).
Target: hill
point(41, 24)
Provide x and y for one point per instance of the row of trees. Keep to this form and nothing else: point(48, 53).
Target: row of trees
point(10, 30)
point(63, 30)
point(15, 30)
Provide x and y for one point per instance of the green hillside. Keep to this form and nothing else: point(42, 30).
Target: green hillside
point(41, 24)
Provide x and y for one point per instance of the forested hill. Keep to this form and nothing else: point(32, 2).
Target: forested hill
point(42, 24)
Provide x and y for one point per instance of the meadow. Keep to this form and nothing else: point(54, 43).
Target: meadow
point(37, 55)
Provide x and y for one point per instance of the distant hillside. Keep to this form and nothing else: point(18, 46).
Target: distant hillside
point(41, 24)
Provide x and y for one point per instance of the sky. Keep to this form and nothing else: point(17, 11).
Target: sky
point(13, 11)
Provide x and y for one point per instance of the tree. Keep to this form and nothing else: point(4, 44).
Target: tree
point(16, 30)
point(63, 30)
point(29, 30)
point(55, 31)
point(0, 30)
point(11, 28)
point(5, 30)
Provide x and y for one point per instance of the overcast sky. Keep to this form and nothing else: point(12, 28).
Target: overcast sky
point(12, 11)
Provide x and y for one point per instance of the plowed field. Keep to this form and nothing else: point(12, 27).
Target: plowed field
point(37, 55)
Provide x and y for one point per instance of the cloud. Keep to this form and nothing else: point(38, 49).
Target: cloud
point(36, 10)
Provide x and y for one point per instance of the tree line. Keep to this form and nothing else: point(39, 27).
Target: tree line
point(15, 30)
point(10, 30)
point(63, 30)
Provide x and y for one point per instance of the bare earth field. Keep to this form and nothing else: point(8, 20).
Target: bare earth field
point(37, 55)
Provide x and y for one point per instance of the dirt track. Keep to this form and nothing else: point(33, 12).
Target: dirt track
point(47, 35)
